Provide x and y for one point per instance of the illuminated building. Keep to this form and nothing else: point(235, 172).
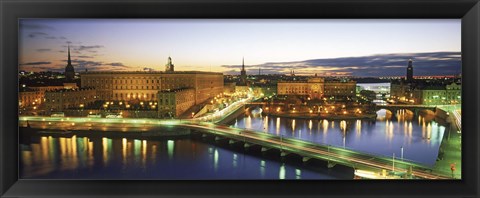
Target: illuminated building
point(144, 86)
point(30, 97)
point(187, 87)
point(438, 95)
point(172, 103)
point(425, 91)
point(317, 87)
point(58, 100)
point(35, 96)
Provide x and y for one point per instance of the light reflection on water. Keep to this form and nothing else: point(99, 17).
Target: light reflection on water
point(48, 157)
point(420, 137)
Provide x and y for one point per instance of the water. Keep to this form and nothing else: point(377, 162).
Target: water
point(48, 157)
point(420, 137)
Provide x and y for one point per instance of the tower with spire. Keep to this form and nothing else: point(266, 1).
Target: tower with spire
point(169, 67)
point(243, 73)
point(410, 71)
point(69, 70)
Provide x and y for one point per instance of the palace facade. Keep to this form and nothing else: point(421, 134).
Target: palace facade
point(144, 86)
point(154, 86)
point(317, 88)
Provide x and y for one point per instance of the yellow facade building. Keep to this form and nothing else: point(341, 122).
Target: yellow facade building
point(144, 86)
point(58, 100)
point(173, 103)
point(150, 86)
point(316, 88)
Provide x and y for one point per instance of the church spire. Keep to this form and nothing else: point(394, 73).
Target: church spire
point(69, 70)
point(243, 63)
point(69, 60)
point(243, 74)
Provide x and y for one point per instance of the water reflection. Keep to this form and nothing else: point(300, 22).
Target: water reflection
point(75, 158)
point(215, 160)
point(298, 174)
point(262, 168)
point(170, 147)
point(420, 136)
point(281, 172)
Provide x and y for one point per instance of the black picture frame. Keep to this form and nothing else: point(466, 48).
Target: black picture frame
point(11, 11)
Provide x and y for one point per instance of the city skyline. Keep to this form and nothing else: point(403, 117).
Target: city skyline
point(219, 45)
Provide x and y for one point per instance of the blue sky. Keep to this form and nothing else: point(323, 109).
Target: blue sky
point(315, 45)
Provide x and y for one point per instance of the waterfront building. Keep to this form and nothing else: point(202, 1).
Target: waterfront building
point(173, 103)
point(58, 100)
point(425, 91)
point(316, 87)
point(437, 95)
point(454, 93)
point(341, 88)
point(29, 97)
point(134, 86)
point(400, 91)
point(35, 96)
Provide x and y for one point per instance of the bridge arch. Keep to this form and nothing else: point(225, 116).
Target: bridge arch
point(384, 113)
point(426, 112)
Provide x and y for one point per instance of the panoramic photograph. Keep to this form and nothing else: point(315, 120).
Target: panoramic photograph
point(240, 99)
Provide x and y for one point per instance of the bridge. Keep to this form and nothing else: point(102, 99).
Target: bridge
point(287, 146)
point(415, 109)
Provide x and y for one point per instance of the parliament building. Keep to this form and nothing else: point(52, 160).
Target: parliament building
point(316, 88)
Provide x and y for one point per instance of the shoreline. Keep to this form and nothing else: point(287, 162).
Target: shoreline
point(140, 134)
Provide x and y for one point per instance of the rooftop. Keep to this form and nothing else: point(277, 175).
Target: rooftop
point(175, 90)
point(71, 90)
point(149, 72)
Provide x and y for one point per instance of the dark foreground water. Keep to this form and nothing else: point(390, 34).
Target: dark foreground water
point(47, 157)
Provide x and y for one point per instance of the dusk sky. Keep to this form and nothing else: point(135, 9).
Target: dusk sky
point(326, 47)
